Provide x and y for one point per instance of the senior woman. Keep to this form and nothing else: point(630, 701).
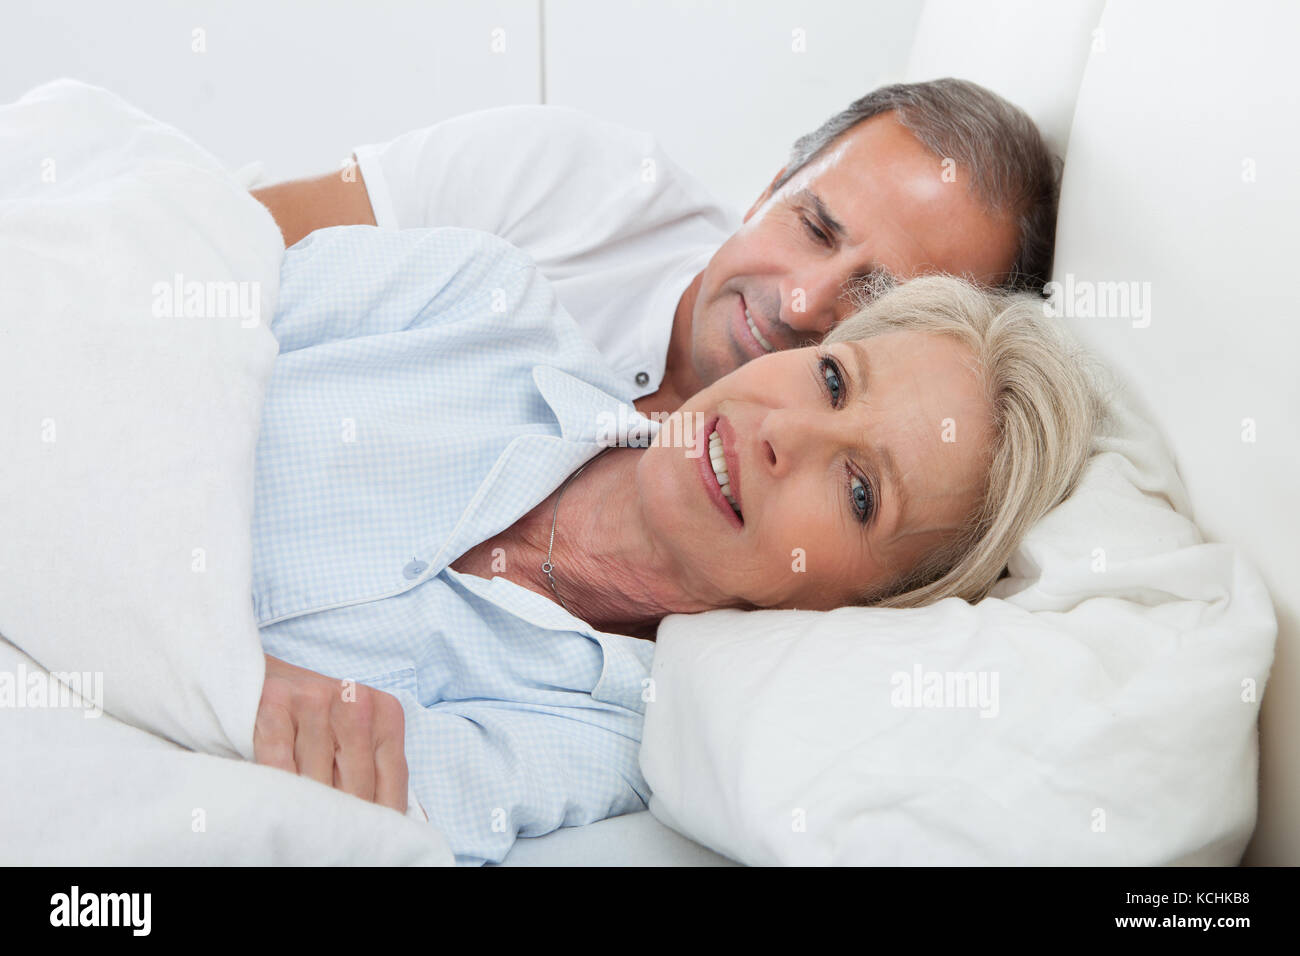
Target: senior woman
point(444, 524)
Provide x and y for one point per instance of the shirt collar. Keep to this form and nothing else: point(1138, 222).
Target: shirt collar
point(589, 415)
point(590, 420)
point(534, 464)
point(655, 333)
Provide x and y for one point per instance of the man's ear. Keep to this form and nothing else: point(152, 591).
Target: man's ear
point(767, 193)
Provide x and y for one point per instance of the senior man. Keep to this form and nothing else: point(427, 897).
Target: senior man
point(942, 176)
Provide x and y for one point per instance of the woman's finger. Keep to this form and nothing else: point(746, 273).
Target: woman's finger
point(354, 761)
point(273, 735)
point(389, 744)
point(313, 748)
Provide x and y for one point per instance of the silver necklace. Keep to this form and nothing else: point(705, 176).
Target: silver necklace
point(547, 566)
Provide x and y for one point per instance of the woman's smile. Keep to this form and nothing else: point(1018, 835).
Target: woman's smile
point(720, 471)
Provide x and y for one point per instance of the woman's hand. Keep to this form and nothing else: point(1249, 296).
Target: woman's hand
point(346, 735)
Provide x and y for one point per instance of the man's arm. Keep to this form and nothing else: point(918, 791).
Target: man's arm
point(302, 206)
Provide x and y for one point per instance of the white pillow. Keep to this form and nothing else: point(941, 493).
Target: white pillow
point(1129, 660)
point(126, 491)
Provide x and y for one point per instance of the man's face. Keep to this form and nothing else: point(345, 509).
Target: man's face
point(789, 265)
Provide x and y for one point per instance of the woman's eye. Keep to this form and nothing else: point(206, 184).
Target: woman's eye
point(861, 498)
point(831, 378)
point(817, 233)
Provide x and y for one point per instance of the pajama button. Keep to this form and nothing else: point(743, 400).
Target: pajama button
point(415, 568)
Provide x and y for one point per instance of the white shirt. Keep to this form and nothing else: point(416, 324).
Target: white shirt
point(617, 227)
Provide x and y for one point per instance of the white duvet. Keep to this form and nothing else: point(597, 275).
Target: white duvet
point(1099, 708)
point(138, 282)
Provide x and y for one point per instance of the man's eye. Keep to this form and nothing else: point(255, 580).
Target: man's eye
point(860, 498)
point(817, 233)
point(832, 379)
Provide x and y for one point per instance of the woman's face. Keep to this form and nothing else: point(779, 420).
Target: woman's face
point(848, 463)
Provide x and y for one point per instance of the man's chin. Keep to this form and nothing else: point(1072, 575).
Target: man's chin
point(723, 360)
point(716, 374)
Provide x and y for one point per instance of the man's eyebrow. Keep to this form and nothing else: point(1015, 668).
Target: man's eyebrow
point(811, 198)
point(863, 279)
point(862, 366)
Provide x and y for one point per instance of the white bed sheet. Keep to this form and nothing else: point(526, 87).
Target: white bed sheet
point(634, 839)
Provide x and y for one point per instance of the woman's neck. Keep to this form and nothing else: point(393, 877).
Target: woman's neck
point(606, 566)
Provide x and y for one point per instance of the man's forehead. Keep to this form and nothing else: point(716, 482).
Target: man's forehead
point(889, 196)
point(880, 140)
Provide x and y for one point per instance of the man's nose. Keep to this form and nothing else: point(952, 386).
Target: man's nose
point(816, 304)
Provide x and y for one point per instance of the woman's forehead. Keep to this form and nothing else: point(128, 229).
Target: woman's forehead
point(922, 418)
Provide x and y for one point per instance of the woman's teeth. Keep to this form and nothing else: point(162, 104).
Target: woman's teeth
point(757, 334)
point(720, 470)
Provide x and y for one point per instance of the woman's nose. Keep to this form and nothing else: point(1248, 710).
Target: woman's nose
point(788, 436)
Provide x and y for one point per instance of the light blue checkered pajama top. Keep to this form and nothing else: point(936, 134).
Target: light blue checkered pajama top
point(430, 390)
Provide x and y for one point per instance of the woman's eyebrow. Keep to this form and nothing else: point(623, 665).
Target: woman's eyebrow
point(881, 453)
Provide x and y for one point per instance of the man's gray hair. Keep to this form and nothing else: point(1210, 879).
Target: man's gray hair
point(1010, 168)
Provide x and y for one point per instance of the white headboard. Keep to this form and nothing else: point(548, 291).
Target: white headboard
point(1180, 174)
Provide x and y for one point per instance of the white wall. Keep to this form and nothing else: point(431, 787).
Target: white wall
point(721, 82)
point(294, 83)
point(298, 83)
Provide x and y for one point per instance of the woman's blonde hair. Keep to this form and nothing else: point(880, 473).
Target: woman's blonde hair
point(1044, 392)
